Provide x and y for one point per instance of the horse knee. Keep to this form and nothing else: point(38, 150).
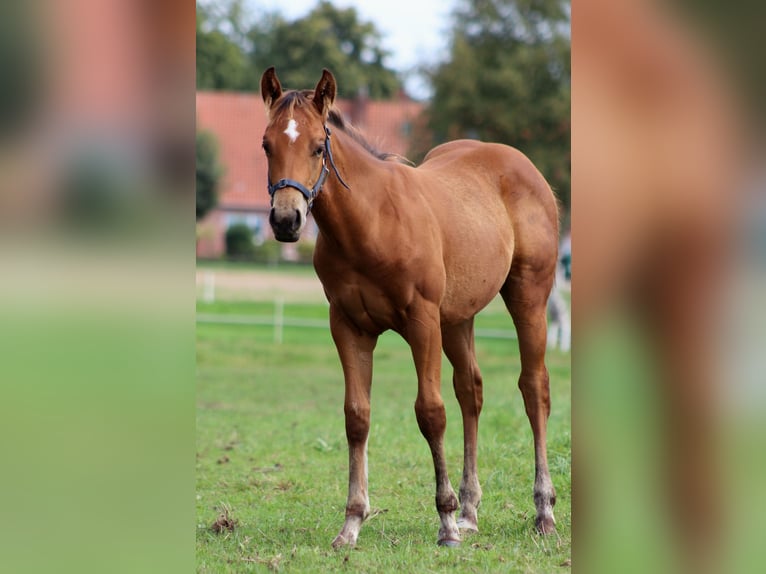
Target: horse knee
point(469, 393)
point(357, 422)
point(535, 388)
point(432, 418)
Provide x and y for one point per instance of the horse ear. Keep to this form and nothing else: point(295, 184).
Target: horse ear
point(324, 94)
point(271, 89)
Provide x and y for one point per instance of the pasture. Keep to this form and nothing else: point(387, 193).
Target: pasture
point(272, 458)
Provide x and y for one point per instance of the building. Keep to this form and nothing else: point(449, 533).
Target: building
point(238, 121)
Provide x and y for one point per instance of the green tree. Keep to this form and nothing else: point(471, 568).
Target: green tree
point(508, 80)
point(221, 62)
point(209, 173)
point(327, 37)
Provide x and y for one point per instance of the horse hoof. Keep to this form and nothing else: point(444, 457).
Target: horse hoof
point(340, 541)
point(449, 543)
point(545, 525)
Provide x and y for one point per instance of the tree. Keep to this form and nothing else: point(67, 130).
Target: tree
point(209, 173)
point(221, 63)
point(508, 80)
point(328, 37)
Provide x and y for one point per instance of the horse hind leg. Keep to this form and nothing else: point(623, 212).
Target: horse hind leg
point(525, 294)
point(458, 344)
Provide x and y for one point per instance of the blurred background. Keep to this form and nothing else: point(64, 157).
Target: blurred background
point(668, 309)
point(96, 286)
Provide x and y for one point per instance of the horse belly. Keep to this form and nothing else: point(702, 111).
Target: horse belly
point(475, 277)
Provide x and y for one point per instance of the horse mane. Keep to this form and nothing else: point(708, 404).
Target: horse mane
point(298, 98)
point(336, 118)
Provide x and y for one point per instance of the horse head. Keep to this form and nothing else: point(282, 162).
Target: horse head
point(296, 143)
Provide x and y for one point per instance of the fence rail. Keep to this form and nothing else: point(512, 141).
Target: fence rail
point(279, 322)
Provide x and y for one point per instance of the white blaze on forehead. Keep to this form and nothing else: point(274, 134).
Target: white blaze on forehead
point(292, 130)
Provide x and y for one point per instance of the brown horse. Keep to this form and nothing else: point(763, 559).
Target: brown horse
point(419, 251)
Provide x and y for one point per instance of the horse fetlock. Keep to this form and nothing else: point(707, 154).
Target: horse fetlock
point(447, 503)
point(545, 499)
point(360, 511)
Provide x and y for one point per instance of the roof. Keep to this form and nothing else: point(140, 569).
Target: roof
point(238, 121)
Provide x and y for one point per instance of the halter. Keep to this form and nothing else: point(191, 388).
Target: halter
point(310, 194)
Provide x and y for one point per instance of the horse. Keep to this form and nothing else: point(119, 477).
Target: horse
point(420, 251)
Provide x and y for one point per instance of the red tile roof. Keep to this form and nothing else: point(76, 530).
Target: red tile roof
point(238, 121)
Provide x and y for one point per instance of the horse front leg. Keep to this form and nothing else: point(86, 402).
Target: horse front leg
point(424, 336)
point(355, 350)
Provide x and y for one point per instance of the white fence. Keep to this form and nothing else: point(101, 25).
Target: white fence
point(278, 321)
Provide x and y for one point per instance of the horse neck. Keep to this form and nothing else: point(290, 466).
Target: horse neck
point(344, 215)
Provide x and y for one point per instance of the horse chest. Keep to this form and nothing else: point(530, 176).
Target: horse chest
point(372, 305)
point(369, 307)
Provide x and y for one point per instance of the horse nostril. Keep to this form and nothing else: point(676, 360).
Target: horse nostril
point(272, 221)
point(297, 217)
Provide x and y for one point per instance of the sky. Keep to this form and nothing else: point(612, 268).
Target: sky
point(414, 31)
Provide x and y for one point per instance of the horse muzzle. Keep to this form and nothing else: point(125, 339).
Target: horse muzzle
point(286, 224)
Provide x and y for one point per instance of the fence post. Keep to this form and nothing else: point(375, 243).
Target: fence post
point(208, 291)
point(279, 319)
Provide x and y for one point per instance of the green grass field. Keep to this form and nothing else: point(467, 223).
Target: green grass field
point(271, 455)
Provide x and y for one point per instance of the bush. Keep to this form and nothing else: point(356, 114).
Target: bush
point(268, 252)
point(239, 242)
point(305, 251)
point(209, 173)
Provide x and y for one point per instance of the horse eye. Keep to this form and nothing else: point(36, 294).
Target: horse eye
point(319, 151)
point(266, 149)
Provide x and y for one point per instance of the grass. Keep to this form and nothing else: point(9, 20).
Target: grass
point(272, 459)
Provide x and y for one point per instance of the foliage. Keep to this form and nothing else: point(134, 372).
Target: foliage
point(306, 251)
point(507, 80)
point(21, 65)
point(270, 251)
point(239, 241)
point(234, 53)
point(209, 173)
point(221, 64)
point(271, 454)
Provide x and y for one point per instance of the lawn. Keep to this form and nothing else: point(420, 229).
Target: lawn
point(272, 459)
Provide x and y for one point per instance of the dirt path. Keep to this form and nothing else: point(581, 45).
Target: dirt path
point(257, 285)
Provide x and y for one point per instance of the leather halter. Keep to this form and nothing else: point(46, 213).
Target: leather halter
point(310, 194)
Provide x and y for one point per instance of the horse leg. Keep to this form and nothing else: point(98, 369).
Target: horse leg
point(458, 343)
point(424, 336)
point(355, 350)
point(525, 294)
